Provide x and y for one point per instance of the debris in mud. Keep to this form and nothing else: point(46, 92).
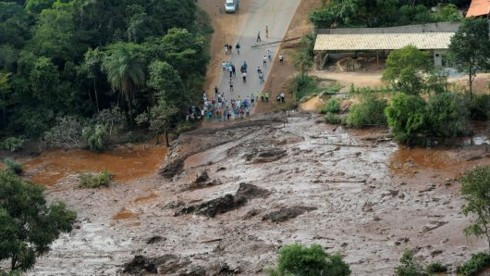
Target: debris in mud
point(155, 239)
point(225, 203)
point(198, 185)
point(142, 265)
point(433, 225)
point(265, 156)
point(202, 177)
point(173, 168)
point(287, 213)
point(252, 213)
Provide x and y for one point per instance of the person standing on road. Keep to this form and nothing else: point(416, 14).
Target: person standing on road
point(261, 77)
point(237, 46)
point(265, 61)
point(231, 85)
point(266, 31)
point(266, 96)
point(216, 91)
point(233, 69)
point(244, 76)
point(258, 37)
point(281, 59)
point(269, 55)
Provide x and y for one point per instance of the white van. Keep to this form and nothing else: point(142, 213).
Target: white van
point(231, 6)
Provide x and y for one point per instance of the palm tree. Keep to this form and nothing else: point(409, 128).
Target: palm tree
point(125, 71)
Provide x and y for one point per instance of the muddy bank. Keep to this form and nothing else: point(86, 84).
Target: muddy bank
point(331, 186)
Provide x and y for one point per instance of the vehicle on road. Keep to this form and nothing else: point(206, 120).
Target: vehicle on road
point(231, 6)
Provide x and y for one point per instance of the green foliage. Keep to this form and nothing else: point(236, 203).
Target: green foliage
point(303, 59)
point(408, 266)
point(13, 166)
point(369, 112)
point(475, 265)
point(28, 225)
point(470, 47)
point(479, 107)
point(13, 144)
point(447, 115)
point(296, 259)
point(404, 69)
point(304, 86)
point(96, 137)
point(113, 119)
point(167, 84)
point(90, 180)
point(406, 116)
point(160, 118)
point(476, 192)
point(67, 133)
point(333, 118)
point(436, 268)
point(447, 13)
point(332, 105)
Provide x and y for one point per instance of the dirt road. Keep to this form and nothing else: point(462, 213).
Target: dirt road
point(276, 14)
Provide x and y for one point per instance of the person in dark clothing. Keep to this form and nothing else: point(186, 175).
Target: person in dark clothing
point(233, 70)
point(237, 46)
point(258, 37)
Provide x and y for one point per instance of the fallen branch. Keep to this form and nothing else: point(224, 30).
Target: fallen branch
point(213, 240)
point(275, 42)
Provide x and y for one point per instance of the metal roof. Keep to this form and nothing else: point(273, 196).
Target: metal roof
point(382, 41)
point(478, 8)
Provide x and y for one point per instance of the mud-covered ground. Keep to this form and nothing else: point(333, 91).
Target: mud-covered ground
point(268, 184)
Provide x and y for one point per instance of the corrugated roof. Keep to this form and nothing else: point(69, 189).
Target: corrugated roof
point(478, 8)
point(384, 41)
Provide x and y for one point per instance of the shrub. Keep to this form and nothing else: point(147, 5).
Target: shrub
point(113, 118)
point(479, 107)
point(13, 166)
point(436, 268)
point(13, 144)
point(184, 126)
point(296, 259)
point(408, 266)
point(369, 112)
point(332, 106)
point(96, 137)
point(406, 117)
point(66, 133)
point(333, 119)
point(477, 263)
point(447, 114)
point(89, 180)
point(303, 86)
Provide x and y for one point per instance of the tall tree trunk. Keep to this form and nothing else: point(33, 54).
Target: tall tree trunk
point(470, 82)
point(96, 96)
point(166, 138)
point(4, 111)
point(130, 110)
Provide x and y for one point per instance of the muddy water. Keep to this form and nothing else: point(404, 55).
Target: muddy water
point(125, 163)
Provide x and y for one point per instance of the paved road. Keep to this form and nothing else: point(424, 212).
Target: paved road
point(276, 14)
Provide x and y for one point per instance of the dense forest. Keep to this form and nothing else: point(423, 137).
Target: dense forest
point(385, 13)
point(88, 65)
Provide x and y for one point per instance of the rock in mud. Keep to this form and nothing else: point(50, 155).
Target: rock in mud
point(173, 168)
point(201, 185)
point(265, 156)
point(202, 177)
point(162, 265)
point(226, 203)
point(287, 213)
point(155, 239)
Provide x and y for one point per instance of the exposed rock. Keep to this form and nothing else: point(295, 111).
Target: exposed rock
point(201, 185)
point(251, 213)
point(264, 156)
point(226, 203)
point(202, 177)
point(173, 168)
point(287, 213)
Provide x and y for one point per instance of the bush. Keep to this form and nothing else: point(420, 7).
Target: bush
point(447, 115)
point(13, 166)
point(13, 144)
point(479, 107)
point(184, 126)
point(296, 259)
point(475, 265)
point(370, 112)
point(436, 268)
point(96, 137)
point(406, 117)
point(332, 106)
point(113, 119)
point(333, 119)
point(303, 86)
point(66, 133)
point(408, 266)
point(89, 180)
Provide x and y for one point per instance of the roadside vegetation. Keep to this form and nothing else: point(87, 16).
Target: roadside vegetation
point(73, 67)
point(350, 13)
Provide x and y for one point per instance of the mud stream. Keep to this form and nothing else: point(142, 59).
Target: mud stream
point(267, 184)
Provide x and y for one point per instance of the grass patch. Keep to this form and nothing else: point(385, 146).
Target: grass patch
point(304, 86)
point(332, 118)
point(90, 180)
point(13, 166)
point(332, 106)
point(436, 268)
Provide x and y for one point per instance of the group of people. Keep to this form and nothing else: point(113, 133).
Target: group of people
point(219, 108)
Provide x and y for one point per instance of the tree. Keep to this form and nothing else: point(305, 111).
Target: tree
point(91, 66)
point(470, 48)
point(296, 259)
point(125, 70)
point(369, 112)
point(303, 60)
point(447, 115)
point(160, 118)
point(408, 266)
point(404, 69)
point(168, 84)
point(27, 224)
point(4, 91)
point(476, 192)
point(406, 117)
